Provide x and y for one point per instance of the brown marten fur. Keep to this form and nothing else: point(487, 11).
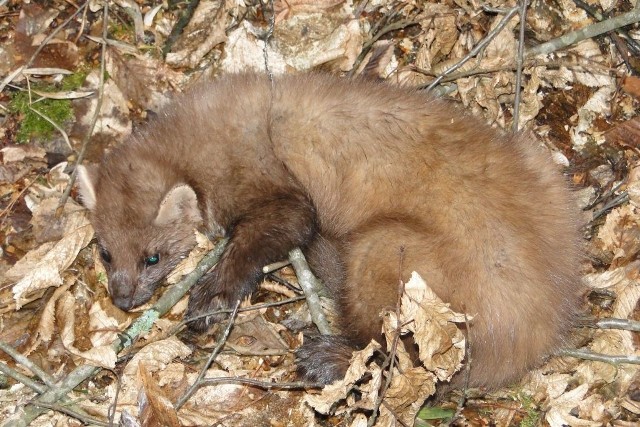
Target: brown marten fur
point(350, 171)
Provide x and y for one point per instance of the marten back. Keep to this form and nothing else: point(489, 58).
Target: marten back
point(351, 170)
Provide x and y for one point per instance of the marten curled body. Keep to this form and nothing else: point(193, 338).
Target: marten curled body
point(350, 171)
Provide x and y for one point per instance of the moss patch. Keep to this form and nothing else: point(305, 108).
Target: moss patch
point(33, 125)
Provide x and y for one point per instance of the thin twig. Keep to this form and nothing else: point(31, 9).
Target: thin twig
point(261, 384)
point(13, 202)
point(267, 37)
point(22, 378)
point(275, 266)
point(241, 310)
point(198, 382)
point(599, 357)
point(311, 286)
point(96, 114)
point(620, 199)
point(394, 346)
point(53, 34)
point(84, 417)
point(164, 304)
point(46, 378)
point(587, 32)
point(477, 48)
point(519, 64)
point(634, 45)
point(367, 46)
point(622, 324)
point(180, 26)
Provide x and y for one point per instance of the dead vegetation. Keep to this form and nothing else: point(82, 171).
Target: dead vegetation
point(77, 78)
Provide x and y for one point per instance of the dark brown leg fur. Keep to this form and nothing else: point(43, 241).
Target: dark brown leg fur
point(264, 235)
point(324, 358)
point(370, 283)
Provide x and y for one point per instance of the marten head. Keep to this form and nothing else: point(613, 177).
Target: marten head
point(144, 222)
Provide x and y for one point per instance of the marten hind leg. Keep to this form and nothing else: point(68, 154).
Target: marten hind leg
point(375, 257)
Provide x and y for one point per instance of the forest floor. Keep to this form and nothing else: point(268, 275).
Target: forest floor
point(60, 60)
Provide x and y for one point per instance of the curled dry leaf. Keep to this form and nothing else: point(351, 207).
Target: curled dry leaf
point(597, 106)
point(441, 344)
point(104, 328)
point(561, 409)
point(155, 357)
point(113, 119)
point(441, 350)
point(186, 266)
point(303, 41)
point(338, 391)
point(205, 30)
point(620, 234)
point(42, 267)
point(103, 355)
point(157, 409)
point(46, 325)
point(244, 51)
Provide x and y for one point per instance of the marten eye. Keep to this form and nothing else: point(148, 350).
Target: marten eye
point(151, 260)
point(105, 255)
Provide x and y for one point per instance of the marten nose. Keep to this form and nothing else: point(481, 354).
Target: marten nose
point(121, 289)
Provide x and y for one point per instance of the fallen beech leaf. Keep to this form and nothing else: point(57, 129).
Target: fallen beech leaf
point(157, 355)
point(46, 325)
point(103, 356)
point(19, 153)
point(559, 414)
point(156, 408)
point(620, 234)
point(631, 85)
point(41, 268)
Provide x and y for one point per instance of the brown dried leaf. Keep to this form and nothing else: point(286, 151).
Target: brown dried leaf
point(156, 409)
point(200, 36)
point(103, 355)
point(113, 120)
point(103, 327)
point(441, 344)
point(156, 356)
point(19, 153)
point(406, 395)
point(331, 394)
point(302, 42)
point(146, 81)
point(620, 234)
point(43, 266)
point(46, 325)
point(33, 22)
point(631, 85)
point(561, 407)
point(187, 265)
point(625, 134)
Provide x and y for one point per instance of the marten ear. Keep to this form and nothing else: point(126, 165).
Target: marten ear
point(179, 203)
point(87, 177)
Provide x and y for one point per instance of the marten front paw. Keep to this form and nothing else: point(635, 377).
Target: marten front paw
point(207, 297)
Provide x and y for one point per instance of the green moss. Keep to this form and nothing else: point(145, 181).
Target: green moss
point(532, 413)
point(32, 125)
point(102, 278)
point(74, 81)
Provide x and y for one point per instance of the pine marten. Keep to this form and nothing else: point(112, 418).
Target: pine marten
point(350, 171)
